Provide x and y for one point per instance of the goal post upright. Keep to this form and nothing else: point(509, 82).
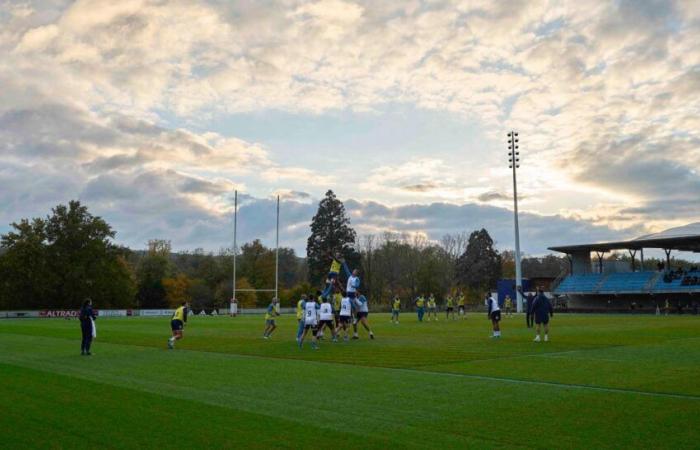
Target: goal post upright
point(275, 290)
point(277, 250)
point(235, 230)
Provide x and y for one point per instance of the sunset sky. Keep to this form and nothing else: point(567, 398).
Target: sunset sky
point(152, 113)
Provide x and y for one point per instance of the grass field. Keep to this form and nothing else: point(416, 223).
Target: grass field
point(603, 381)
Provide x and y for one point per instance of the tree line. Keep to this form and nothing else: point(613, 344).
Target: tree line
point(57, 261)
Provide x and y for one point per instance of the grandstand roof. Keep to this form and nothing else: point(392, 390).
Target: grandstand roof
point(685, 238)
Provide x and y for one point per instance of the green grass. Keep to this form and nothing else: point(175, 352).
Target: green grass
point(602, 382)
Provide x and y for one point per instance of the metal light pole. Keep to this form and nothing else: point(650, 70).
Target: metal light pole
point(514, 163)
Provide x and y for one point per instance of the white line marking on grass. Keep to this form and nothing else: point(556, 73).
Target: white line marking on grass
point(429, 372)
point(552, 384)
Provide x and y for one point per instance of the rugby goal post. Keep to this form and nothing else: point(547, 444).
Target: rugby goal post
point(234, 305)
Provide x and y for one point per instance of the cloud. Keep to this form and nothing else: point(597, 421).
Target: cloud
point(604, 94)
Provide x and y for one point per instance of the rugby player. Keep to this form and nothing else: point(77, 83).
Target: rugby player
point(310, 321)
point(177, 324)
point(270, 315)
point(494, 314)
point(345, 317)
point(361, 316)
point(395, 310)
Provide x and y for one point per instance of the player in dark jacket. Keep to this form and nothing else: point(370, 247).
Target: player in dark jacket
point(542, 310)
point(530, 299)
point(87, 316)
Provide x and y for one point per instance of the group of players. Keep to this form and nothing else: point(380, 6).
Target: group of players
point(335, 309)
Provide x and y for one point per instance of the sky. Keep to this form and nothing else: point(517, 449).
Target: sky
point(153, 112)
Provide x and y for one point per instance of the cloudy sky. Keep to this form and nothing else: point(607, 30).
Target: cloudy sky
point(153, 112)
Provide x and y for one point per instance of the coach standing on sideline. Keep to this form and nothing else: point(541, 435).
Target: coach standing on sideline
point(542, 309)
point(530, 299)
point(87, 317)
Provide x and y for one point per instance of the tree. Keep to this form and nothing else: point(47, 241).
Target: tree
point(508, 264)
point(202, 297)
point(59, 261)
point(479, 267)
point(177, 289)
point(25, 278)
point(150, 272)
point(257, 264)
point(330, 233)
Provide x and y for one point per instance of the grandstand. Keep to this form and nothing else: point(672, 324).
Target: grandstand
point(594, 284)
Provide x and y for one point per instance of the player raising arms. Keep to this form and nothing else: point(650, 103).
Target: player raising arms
point(395, 310)
point(353, 282)
point(333, 272)
point(326, 319)
point(494, 314)
point(310, 321)
point(177, 324)
point(270, 315)
point(449, 307)
point(345, 317)
point(361, 315)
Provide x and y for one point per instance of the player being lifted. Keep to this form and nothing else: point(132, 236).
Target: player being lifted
point(270, 315)
point(449, 307)
point(395, 310)
point(345, 317)
point(177, 324)
point(362, 308)
point(333, 272)
point(432, 307)
point(310, 321)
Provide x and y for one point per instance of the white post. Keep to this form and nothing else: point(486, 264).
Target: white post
point(277, 251)
point(235, 225)
point(518, 274)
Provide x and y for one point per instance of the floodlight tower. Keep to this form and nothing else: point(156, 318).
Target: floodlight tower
point(514, 164)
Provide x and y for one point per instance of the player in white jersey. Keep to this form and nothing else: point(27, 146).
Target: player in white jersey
point(310, 308)
point(345, 316)
point(494, 314)
point(325, 314)
point(362, 309)
point(353, 282)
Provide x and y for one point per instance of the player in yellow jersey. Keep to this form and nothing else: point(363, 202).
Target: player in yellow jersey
point(300, 316)
point(460, 305)
point(395, 310)
point(449, 307)
point(270, 315)
point(509, 306)
point(337, 300)
point(177, 324)
point(420, 307)
point(333, 272)
point(432, 308)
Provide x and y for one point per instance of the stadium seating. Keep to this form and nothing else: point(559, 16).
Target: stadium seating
point(587, 283)
point(678, 284)
point(628, 282)
point(625, 282)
